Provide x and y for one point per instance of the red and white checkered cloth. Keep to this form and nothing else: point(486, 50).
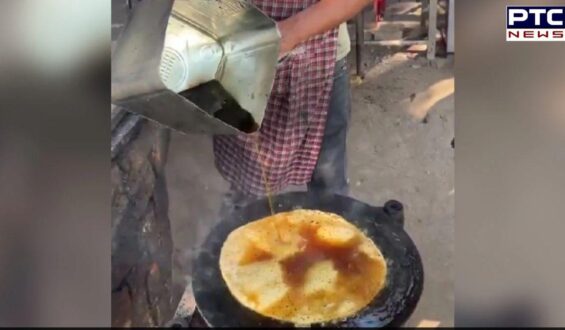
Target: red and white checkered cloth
point(291, 133)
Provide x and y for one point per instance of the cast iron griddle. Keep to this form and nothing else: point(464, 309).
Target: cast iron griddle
point(384, 225)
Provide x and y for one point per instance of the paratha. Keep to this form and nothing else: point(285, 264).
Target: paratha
point(303, 267)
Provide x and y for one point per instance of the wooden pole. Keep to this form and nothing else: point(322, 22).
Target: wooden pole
point(432, 29)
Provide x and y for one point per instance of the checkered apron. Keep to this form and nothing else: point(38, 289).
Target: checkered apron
point(292, 130)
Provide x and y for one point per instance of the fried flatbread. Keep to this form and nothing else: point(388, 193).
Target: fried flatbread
point(303, 267)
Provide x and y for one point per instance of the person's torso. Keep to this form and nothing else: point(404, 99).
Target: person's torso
point(343, 42)
point(282, 9)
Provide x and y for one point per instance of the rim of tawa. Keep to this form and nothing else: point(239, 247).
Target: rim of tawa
point(391, 307)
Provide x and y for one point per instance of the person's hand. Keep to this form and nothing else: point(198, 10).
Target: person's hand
point(289, 37)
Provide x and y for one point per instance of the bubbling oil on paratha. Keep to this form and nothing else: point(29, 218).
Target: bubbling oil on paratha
point(303, 267)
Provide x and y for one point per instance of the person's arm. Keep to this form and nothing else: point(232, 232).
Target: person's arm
point(317, 19)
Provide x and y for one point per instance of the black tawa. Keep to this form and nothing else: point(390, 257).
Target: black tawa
point(384, 225)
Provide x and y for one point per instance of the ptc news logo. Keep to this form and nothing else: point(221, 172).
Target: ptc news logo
point(535, 23)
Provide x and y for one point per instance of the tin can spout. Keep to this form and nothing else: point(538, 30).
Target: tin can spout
point(197, 66)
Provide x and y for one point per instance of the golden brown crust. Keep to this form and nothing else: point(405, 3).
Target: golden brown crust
point(302, 266)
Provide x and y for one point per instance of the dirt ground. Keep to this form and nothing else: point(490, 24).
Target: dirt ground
point(399, 148)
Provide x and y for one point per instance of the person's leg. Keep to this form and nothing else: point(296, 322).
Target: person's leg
point(330, 174)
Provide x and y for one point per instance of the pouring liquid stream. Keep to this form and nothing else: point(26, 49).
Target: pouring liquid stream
point(267, 189)
point(264, 176)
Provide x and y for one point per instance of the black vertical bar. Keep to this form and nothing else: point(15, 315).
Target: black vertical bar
point(360, 42)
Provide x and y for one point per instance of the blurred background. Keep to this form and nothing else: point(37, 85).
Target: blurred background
point(509, 178)
point(54, 166)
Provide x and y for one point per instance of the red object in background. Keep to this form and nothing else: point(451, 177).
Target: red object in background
point(379, 9)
